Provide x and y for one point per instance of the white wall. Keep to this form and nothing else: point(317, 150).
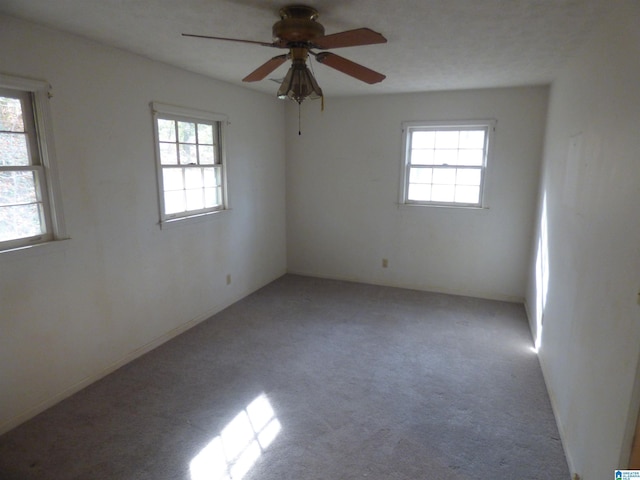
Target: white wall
point(590, 338)
point(121, 285)
point(342, 194)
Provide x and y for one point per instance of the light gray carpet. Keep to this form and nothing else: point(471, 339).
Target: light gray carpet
point(364, 382)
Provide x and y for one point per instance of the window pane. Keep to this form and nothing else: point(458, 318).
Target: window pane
point(465, 194)
point(419, 192)
point(212, 177)
point(444, 176)
point(423, 139)
point(188, 155)
point(472, 139)
point(168, 154)
point(172, 179)
point(20, 221)
point(468, 176)
point(174, 202)
point(445, 157)
point(186, 132)
point(195, 199)
point(422, 157)
point(205, 134)
point(18, 188)
point(206, 155)
point(447, 139)
point(442, 193)
point(209, 197)
point(11, 115)
point(193, 178)
point(471, 157)
point(420, 175)
point(13, 149)
point(166, 130)
point(212, 197)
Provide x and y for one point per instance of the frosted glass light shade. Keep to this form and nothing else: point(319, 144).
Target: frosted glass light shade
point(299, 83)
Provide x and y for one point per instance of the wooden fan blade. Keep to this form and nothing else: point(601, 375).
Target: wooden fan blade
point(264, 44)
point(350, 68)
point(265, 69)
point(350, 38)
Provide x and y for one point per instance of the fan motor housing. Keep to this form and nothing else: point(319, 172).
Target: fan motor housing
point(297, 24)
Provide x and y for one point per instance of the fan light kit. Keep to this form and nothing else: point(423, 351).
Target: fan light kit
point(300, 33)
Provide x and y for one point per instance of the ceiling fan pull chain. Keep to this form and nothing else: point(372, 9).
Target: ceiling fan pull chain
point(299, 108)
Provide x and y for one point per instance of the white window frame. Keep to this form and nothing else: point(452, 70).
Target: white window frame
point(177, 113)
point(408, 128)
point(35, 95)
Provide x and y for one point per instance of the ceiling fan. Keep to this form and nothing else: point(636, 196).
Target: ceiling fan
point(300, 33)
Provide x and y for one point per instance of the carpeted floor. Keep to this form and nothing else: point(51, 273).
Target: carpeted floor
point(311, 379)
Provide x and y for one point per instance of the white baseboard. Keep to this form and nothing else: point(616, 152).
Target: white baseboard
point(410, 286)
point(563, 436)
point(552, 399)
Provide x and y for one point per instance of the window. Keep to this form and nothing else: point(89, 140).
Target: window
point(445, 163)
point(30, 210)
point(190, 159)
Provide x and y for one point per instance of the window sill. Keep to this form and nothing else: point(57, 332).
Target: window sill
point(191, 219)
point(443, 206)
point(51, 246)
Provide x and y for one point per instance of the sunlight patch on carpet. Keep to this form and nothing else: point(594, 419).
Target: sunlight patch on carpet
point(230, 455)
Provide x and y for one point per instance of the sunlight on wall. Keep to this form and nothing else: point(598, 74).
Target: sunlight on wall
point(542, 273)
point(230, 455)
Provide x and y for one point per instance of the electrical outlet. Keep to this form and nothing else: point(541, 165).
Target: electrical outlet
point(385, 263)
point(228, 279)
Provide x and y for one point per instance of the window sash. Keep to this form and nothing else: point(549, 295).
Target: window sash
point(180, 147)
point(458, 192)
point(187, 192)
point(39, 201)
point(29, 126)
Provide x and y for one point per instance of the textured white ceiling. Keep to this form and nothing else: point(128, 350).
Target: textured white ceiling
point(432, 44)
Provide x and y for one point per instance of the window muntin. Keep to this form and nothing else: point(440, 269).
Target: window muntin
point(26, 166)
point(190, 159)
point(445, 163)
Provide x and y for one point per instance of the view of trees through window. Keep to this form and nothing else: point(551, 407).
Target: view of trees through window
point(20, 197)
point(191, 166)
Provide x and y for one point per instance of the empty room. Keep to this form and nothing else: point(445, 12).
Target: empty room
point(366, 239)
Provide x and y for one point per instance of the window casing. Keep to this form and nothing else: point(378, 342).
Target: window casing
point(30, 211)
point(190, 161)
point(444, 163)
